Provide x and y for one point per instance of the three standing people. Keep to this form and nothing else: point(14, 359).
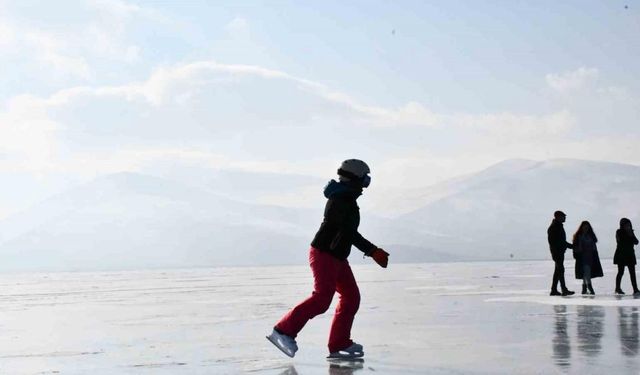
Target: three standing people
point(585, 252)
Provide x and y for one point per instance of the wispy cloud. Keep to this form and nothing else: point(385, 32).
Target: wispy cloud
point(72, 50)
point(573, 80)
point(123, 10)
point(167, 83)
point(7, 35)
point(238, 27)
point(49, 51)
point(28, 121)
point(27, 135)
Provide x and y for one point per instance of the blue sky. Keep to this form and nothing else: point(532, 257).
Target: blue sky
point(422, 90)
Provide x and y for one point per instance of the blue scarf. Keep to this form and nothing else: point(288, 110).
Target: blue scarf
point(334, 188)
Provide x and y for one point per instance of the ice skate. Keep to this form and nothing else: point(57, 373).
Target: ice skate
point(352, 352)
point(283, 342)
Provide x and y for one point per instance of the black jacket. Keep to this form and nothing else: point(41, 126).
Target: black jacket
point(557, 240)
point(339, 229)
point(625, 254)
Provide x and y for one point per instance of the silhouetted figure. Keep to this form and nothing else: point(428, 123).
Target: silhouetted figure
point(625, 255)
point(585, 252)
point(331, 271)
point(558, 245)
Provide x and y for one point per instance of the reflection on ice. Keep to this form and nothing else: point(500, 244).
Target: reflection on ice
point(335, 368)
point(345, 367)
point(561, 342)
point(290, 370)
point(590, 326)
point(629, 331)
point(471, 318)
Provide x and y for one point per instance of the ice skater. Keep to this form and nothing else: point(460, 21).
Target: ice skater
point(625, 255)
point(558, 245)
point(331, 271)
point(585, 252)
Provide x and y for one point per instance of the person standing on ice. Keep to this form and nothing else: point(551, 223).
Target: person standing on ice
point(585, 252)
point(558, 245)
point(331, 271)
point(625, 255)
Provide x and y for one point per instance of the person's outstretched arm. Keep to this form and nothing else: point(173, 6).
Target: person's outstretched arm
point(363, 244)
point(379, 256)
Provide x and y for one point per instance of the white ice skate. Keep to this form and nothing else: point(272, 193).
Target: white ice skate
point(352, 352)
point(283, 342)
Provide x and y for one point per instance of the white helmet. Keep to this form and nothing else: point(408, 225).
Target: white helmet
point(355, 170)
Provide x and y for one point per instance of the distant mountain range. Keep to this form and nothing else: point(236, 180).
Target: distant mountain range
point(506, 209)
point(130, 220)
point(136, 221)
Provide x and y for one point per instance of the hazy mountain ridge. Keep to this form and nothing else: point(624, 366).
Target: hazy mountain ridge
point(252, 187)
point(508, 213)
point(396, 205)
point(139, 221)
point(131, 220)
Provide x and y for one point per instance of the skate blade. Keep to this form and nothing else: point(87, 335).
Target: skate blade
point(277, 345)
point(357, 356)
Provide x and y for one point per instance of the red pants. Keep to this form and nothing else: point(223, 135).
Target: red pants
point(330, 275)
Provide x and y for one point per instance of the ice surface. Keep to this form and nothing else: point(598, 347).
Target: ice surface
point(457, 318)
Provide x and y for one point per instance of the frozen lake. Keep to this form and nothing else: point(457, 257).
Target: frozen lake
point(457, 318)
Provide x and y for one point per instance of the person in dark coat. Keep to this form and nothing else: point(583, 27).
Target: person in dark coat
point(625, 255)
point(558, 245)
point(585, 252)
point(331, 270)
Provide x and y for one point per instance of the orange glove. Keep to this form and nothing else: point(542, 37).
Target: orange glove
point(381, 257)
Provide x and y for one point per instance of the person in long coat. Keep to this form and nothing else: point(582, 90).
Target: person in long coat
point(585, 252)
point(625, 255)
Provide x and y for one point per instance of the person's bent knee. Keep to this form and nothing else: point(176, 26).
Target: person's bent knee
point(356, 300)
point(322, 302)
point(356, 305)
point(350, 303)
point(324, 306)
